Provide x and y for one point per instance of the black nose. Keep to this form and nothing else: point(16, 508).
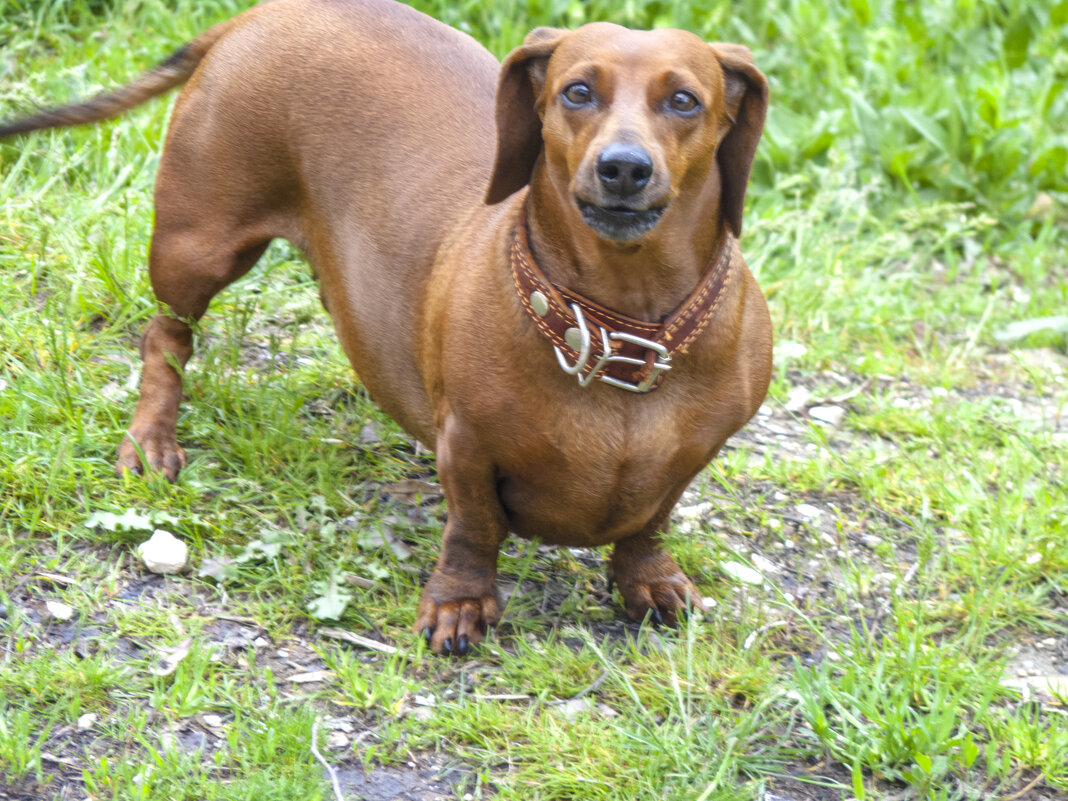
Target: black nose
point(624, 169)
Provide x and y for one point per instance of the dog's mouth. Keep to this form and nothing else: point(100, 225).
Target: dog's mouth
point(620, 223)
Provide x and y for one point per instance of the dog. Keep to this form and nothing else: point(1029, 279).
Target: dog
point(532, 266)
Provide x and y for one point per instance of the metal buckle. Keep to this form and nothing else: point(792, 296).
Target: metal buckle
point(662, 364)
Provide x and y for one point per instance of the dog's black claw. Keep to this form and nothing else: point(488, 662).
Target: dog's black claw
point(684, 613)
point(446, 647)
point(655, 616)
point(463, 646)
point(427, 634)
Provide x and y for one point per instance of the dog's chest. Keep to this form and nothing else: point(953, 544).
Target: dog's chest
point(595, 473)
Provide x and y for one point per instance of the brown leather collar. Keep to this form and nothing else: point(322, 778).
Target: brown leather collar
point(638, 353)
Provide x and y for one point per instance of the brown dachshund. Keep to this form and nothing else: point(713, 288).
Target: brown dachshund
point(555, 304)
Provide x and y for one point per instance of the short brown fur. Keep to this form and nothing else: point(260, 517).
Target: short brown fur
point(364, 132)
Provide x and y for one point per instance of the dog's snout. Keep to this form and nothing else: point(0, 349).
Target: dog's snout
point(624, 169)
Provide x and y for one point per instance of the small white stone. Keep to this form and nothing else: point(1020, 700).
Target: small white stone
point(808, 510)
point(574, 707)
point(163, 552)
point(336, 740)
point(695, 511)
point(59, 610)
point(742, 572)
point(831, 415)
point(1033, 558)
point(213, 721)
point(709, 602)
point(797, 399)
point(424, 700)
point(86, 721)
point(834, 656)
point(763, 564)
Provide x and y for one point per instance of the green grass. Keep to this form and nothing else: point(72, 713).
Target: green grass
point(908, 211)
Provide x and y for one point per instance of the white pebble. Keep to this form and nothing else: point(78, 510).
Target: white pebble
point(691, 512)
point(163, 552)
point(831, 415)
point(742, 572)
point(797, 399)
point(59, 610)
point(86, 721)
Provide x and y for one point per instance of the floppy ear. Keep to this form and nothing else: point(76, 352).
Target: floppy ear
point(746, 98)
point(518, 124)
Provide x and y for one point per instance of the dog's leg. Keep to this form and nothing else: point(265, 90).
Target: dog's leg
point(649, 580)
point(152, 431)
point(167, 344)
point(459, 601)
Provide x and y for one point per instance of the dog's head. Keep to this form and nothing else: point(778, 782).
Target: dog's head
point(629, 123)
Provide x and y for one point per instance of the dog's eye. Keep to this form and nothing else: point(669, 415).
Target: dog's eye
point(684, 102)
point(577, 94)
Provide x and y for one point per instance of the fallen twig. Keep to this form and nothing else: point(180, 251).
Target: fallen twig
point(1025, 789)
point(775, 624)
point(323, 762)
point(356, 639)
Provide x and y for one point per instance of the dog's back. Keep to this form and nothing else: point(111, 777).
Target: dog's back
point(361, 130)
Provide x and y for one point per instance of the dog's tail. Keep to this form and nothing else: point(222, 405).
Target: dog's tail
point(167, 75)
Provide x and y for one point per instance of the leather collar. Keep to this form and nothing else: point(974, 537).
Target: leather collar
point(592, 342)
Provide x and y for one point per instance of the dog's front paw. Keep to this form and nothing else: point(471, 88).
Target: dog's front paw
point(656, 588)
point(161, 453)
point(453, 626)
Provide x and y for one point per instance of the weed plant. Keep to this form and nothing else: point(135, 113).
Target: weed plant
point(907, 220)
